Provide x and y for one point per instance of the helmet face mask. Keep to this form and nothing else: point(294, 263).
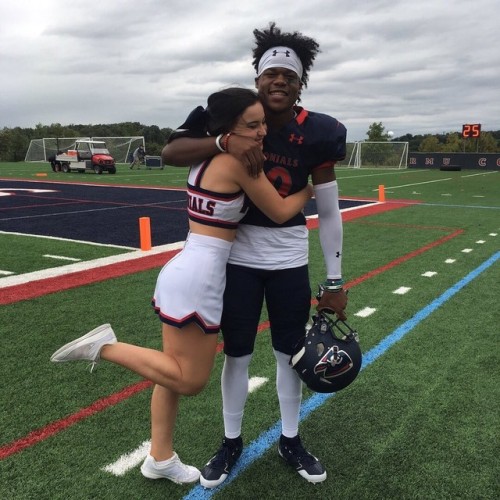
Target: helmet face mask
point(328, 358)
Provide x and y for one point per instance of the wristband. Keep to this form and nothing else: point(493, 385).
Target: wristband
point(332, 285)
point(218, 144)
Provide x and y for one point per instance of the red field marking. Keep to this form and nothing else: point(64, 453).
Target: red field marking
point(404, 226)
point(96, 184)
point(404, 258)
point(55, 427)
point(58, 200)
point(357, 213)
point(35, 206)
point(33, 289)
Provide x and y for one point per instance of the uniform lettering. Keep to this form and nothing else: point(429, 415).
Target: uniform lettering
point(200, 205)
point(282, 160)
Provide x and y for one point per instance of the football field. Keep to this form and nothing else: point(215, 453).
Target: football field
point(420, 421)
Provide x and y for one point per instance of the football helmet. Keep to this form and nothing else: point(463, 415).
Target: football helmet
point(328, 358)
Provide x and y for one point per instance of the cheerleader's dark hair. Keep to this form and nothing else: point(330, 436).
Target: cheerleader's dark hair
point(220, 116)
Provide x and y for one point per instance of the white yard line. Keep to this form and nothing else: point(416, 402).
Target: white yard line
point(365, 312)
point(436, 180)
point(84, 266)
point(132, 459)
point(415, 184)
point(340, 170)
point(61, 257)
point(480, 173)
point(56, 238)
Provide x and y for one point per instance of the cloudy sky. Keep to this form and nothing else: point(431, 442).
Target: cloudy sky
point(417, 66)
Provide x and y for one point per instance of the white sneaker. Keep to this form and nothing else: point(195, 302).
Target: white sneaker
point(87, 347)
point(174, 470)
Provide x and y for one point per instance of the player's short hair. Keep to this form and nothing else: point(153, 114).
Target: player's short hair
point(305, 47)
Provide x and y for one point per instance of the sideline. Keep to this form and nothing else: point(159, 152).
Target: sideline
point(263, 443)
point(55, 272)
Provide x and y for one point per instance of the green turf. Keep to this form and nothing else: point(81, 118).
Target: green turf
point(169, 176)
point(24, 254)
point(421, 422)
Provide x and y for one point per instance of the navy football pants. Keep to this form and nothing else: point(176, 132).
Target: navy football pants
point(288, 298)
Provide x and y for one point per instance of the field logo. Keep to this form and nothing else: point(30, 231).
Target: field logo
point(7, 191)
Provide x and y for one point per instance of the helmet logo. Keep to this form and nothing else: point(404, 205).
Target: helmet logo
point(328, 358)
point(334, 363)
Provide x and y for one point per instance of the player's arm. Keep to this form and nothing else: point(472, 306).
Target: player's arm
point(185, 151)
point(265, 196)
point(332, 296)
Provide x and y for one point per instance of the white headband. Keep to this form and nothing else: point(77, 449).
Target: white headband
point(280, 57)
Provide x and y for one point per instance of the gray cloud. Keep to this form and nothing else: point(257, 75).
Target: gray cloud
point(418, 67)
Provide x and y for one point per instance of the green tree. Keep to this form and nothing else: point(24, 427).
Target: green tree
point(453, 143)
point(5, 137)
point(13, 144)
point(376, 133)
point(488, 143)
point(430, 144)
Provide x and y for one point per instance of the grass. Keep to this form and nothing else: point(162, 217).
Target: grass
point(36, 253)
point(420, 422)
point(42, 172)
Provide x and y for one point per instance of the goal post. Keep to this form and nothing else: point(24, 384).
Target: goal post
point(376, 154)
point(42, 149)
point(120, 148)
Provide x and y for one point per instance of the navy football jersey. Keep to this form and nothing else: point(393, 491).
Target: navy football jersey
point(312, 140)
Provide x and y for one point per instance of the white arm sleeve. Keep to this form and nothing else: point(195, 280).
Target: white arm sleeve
point(330, 227)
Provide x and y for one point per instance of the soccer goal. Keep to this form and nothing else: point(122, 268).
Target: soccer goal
point(371, 154)
point(120, 148)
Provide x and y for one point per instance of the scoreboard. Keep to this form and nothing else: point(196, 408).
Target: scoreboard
point(471, 130)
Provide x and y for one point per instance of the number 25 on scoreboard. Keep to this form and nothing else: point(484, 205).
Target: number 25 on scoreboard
point(471, 130)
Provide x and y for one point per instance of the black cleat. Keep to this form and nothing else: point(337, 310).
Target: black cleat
point(307, 465)
point(220, 465)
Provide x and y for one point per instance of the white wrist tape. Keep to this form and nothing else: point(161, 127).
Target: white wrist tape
point(330, 227)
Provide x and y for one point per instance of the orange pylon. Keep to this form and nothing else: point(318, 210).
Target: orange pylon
point(145, 233)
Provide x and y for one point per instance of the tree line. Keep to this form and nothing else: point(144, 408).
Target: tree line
point(14, 142)
point(447, 142)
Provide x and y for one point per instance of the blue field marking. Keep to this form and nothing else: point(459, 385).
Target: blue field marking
point(269, 438)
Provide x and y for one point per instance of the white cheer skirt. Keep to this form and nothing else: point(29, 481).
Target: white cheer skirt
point(190, 286)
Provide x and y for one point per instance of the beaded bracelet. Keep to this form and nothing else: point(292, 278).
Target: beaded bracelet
point(225, 141)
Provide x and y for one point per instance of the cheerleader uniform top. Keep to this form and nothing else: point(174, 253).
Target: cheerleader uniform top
point(211, 208)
